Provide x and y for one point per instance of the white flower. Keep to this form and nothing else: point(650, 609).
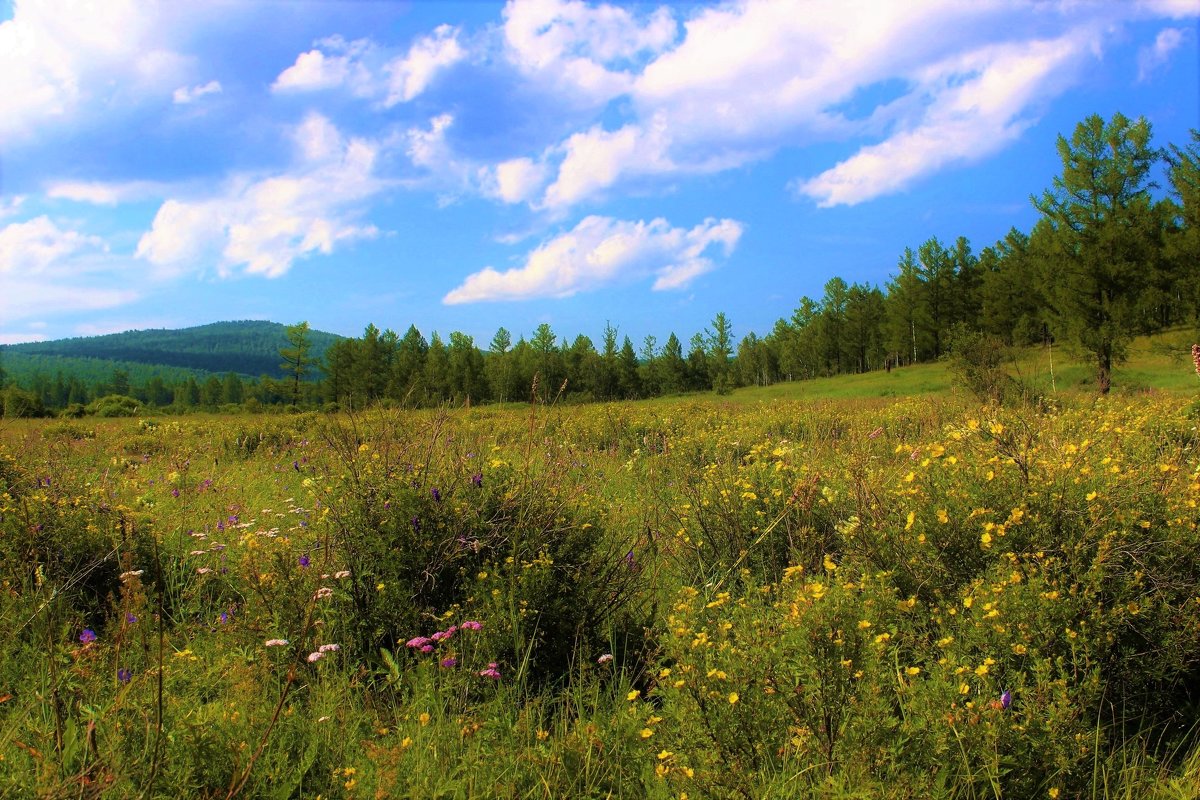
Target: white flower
point(276, 642)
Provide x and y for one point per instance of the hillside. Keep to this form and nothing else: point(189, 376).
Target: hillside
point(249, 348)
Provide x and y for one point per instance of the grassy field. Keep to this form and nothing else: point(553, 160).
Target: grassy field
point(864, 587)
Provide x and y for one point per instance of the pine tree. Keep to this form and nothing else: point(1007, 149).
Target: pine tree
point(1103, 225)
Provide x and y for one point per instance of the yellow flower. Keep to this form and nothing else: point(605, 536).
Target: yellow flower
point(733, 698)
point(664, 755)
point(424, 718)
point(913, 670)
point(645, 733)
point(942, 516)
point(542, 735)
point(633, 695)
point(863, 624)
point(1053, 792)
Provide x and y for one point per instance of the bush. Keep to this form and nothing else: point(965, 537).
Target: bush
point(20, 403)
point(114, 405)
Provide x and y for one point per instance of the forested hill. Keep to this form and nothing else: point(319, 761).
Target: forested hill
point(248, 347)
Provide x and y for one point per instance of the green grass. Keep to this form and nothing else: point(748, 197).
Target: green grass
point(818, 589)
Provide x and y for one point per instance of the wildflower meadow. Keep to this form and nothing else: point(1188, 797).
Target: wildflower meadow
point(700, 597)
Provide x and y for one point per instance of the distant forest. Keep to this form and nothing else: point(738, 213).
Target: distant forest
point(1108, 259)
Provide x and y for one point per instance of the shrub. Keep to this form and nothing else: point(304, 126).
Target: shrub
point(114, 405)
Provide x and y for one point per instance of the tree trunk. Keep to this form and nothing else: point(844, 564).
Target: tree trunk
point(1104, 371)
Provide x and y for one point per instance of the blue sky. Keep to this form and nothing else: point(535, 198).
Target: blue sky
point(463, 166)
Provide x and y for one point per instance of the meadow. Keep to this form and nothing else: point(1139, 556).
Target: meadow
point(798, 591)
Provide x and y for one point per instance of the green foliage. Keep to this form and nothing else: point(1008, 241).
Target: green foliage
point(20, 403)
point(114, 405)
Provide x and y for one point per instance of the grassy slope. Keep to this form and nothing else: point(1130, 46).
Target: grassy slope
point(1160, 363)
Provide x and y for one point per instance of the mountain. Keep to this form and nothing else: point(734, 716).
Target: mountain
point(249, 348)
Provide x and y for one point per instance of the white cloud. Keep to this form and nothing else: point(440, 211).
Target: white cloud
point(752, 77)
point(362, 67)
point(410, 75)
point(61, 60)
point(595, 159)
point(47, 269)
point(1152, 57)
point(10, 206)
point(579, 50)
point(263, 225)
point(18, 338)
point(601, 251)
point(184, 94)
point(32, 246)
point(101, 193)
point(516, 180)
point(343, 65)
point(978, 107)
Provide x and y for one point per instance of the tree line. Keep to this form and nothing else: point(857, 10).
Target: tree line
point(1109, 258)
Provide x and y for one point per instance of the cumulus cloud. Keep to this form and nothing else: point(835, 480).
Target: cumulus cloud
point(33, 246)
point(516, 180)
point(363, 68)
point(61, 60)
point(582, 51)
point(50, 269)
point(409, 75)
point(263, 225)
point(333, 63)
point(750, 78)
point(184, 95)
point(979, 104)
point(601, 251)
point(1154, 56)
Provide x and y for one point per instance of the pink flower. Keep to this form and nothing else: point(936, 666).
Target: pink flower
point(419, 641)
point(315, 656)
point(329, 648)
point(276, 643)
point(491, 672)
point(604, 659)
point(472, 625)
point(427, 648)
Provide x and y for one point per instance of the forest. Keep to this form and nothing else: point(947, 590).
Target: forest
point(1112, 255)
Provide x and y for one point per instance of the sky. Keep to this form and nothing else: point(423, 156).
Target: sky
point(467, 166)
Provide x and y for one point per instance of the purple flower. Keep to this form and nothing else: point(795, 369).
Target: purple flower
point(220, 524)
point(450, 663)
point(1006, 699)
point(224, 617)
point(629, 561)
point(88, 636)
point(303, 561)
point(296, 466)
point(437, 496)
point(130, 618)
point(124, 675)
point(477, 479)
point(174, 493)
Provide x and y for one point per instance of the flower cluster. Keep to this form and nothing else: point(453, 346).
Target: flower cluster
point(320, 652)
